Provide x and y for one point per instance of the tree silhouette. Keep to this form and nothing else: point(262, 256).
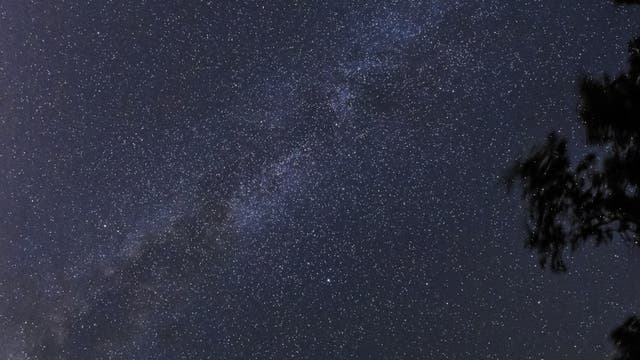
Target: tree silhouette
point(627, 339)
point(598, 199)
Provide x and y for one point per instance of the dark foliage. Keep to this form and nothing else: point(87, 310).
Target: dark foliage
point(598, 199)
point(627, 339)
point(626, 2)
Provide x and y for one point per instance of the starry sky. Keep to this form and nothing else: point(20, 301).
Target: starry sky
point(293, 180)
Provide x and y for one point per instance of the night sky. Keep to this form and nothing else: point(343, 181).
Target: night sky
point(293, 180)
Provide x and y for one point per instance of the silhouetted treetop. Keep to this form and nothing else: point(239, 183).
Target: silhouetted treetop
point(626, 337)
point(626, 2)
point(598, 198)
point(610, 109)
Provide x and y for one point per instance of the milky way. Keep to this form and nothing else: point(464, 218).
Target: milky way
point(233, 180)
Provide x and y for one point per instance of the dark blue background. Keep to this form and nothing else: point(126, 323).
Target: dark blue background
point(231, 180)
